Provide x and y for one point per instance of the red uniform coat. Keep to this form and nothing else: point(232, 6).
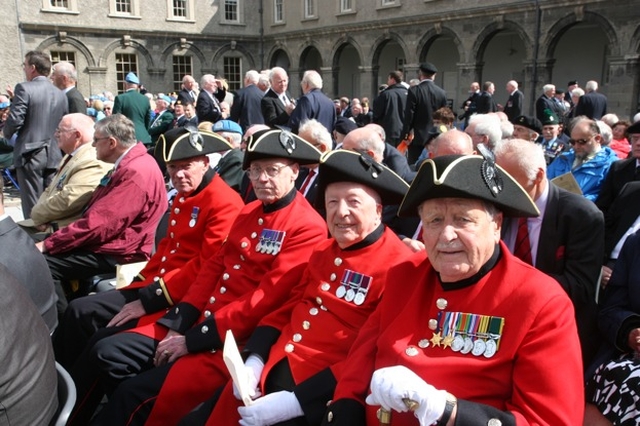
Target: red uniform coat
point(121, 217)
point(322, 326)
point(235, 290)
point(198, 225)
point(535, 377)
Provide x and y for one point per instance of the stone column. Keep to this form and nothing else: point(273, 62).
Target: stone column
point(327, 80)
point(623, 75)
point(468, 72)
point(98, 81)
point(366, 83)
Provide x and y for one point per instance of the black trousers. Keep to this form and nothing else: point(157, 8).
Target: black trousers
point(33, 178)
point(76, 265)
point(110, 358)
point(82, 319)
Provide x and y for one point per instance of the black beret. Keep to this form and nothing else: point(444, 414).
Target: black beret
point(572, 82)
point(349, 166)
point(634, 128)
point(277, 143)
point(428, 68)
point(531, 123)
point(468, 176)
point(559, 92)
point(188, 142)
point(344, 125)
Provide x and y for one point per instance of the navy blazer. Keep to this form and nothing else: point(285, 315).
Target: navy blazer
point(620, 302)
point(593, 105)
point(422, 100)
point(624, 210)
point(246, 109)
point(314, 104)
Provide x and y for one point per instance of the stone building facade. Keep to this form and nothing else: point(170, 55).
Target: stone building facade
point(352, 43)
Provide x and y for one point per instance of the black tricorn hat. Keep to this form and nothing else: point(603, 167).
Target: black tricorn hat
point(280, 143)
point(343, 165)
point(531, 123)
point(188, 142)
point(468, 176)
point(634, 128)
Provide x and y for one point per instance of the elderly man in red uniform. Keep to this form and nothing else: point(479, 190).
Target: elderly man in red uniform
point(471, 335)
point(252, 275)
point(199, 220)
point(297, 365)
point(118, 225)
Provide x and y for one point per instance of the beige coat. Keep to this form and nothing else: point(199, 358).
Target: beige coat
point(71, 189)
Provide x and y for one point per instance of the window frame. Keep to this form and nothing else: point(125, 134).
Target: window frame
point(134, 5)
point(179, 70)
point(306, 5)
point(238, 18)
point(122, 70)
point(275, 12)
point(71, 8)
point(189, 15)
point(238, 76)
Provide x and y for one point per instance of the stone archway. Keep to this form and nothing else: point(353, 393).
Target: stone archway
point(346, 71)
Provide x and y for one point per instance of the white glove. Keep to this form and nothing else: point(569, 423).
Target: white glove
point(391, 384)
point(271, 409)
point(253, 369)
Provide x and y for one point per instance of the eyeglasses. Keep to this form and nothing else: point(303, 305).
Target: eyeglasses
point(580, 141)
point(96, 140)
point(271, 171)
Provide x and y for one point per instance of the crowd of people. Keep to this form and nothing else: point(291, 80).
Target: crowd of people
point(385, 262)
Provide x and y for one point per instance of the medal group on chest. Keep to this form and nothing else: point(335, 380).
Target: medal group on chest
point(466, 333)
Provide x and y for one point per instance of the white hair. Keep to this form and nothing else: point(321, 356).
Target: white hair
point(528, 156)
point(591, 86)
point(313, 79)
point(487, 125)
point(318, 132)
point(605, 132)
point(252, 76)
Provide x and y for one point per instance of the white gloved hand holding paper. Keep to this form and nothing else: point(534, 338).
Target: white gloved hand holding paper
point(253, 367)
point(271, 409)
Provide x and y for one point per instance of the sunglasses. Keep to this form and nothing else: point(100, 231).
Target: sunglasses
point(579, 141)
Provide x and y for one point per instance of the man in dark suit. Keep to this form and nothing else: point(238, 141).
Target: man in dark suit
point(229, 166)
point(211, 94)
point(246, 109)
point(313, 104)
point(388, 107)
point(65, 77)
point(621, 172)
point(277, 104)
point(471, 104)
point(513, 107)
point(545, 101)
point(136, 107)
point(558, 244)
point(187, 93)
point(573, 84)
point(28, 376)
point(20, 256)
point(185, 113)
point(422, 100)
point(36, 109)
point(592, 104)
point(307, 183)
point(485, 102)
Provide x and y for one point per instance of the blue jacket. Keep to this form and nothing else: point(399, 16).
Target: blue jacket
point(589, 175)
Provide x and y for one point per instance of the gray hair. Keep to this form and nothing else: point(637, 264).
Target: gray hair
point(67, 69)
point(253, 76)
point(313, 79)
point(548, 87)
point(207, 78)
point(277, 71)
point(318, 132)
point(528, 156)
point(605, 132)
point(591, 86)
point(577, 92)
point(487, 125)
point(120, 128)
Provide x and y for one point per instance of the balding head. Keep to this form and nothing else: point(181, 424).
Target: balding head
point(453, 142)
point(365, 139)
point(74, 131)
